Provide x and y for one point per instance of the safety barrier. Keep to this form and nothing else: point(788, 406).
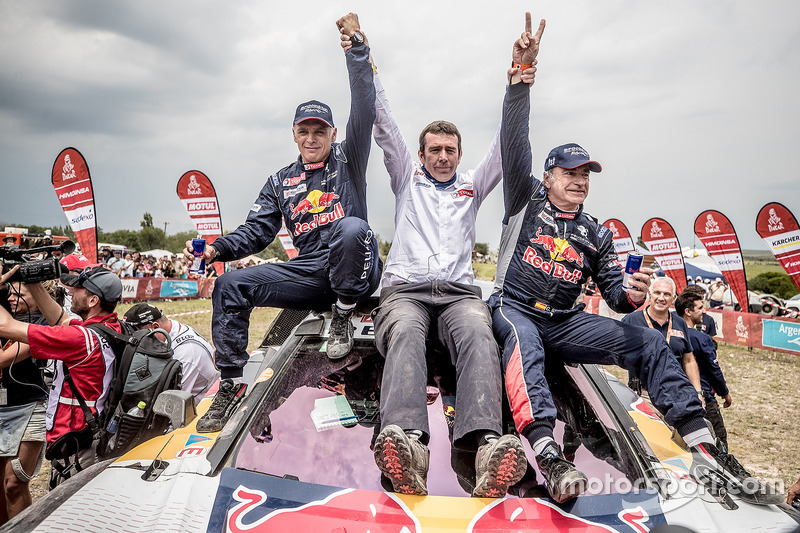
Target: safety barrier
point(781, 334)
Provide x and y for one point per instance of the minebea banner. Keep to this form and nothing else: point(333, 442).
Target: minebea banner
point(623, 243)
point(778, 227)
point(660, 239)
point(73, 186)
point(716, 233)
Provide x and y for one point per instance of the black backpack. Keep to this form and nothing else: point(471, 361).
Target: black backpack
point(144, 367)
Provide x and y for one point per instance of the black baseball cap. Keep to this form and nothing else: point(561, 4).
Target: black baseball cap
point(142, 314)
point(97, 280)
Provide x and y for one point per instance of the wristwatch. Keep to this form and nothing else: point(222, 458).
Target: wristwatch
point(357, 38)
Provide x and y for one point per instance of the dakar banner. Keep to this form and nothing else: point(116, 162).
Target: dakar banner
point(73, 186)
point(716, 233)
point(778, 227)
point(621, 238)
point(200, 201)
point(660, 239)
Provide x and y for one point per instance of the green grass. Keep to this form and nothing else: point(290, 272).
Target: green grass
point(753, 269)
point(260, 319)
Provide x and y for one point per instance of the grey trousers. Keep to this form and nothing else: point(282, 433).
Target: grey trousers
point(455, 315)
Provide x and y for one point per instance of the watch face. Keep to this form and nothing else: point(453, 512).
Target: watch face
point(357, 38)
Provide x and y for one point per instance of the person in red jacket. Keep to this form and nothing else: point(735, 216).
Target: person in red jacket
point(78, 351)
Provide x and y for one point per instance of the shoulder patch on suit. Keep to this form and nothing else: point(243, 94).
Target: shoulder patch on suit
point(338, 153)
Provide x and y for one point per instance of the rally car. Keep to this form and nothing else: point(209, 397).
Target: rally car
point(296, 456)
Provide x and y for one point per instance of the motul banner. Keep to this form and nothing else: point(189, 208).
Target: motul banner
point(73, 186)
point(716, 233)
point(660, 239)
point(621, 237)
point(778, 227)
point(200, 201)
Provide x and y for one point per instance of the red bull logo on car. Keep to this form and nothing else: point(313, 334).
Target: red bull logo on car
point(247, 502)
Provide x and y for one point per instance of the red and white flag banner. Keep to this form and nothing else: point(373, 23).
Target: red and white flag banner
point(73, 186)
point(623, 243)
point(200, 201)
point(286, 241)
point(660, 239)
point(716, 233)
point(199, 198)
point(778, 227)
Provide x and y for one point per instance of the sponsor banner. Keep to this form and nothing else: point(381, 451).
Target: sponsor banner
point(778, 227)
point(174, 288)
point(129, 287)
point(781, 334)
point(73, 185)
point(716, 233)
point(286, 241)
point(199, 198)
point(144, 289)
point(623, 243)
point(661, 240)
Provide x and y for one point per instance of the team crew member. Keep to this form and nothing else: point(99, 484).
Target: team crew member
point(549, 245)
point(708, 327)
point(690, 307)
point(671, 326)
point(322, 199)
point(189, 347)
point(76, 348)
point(428, 285)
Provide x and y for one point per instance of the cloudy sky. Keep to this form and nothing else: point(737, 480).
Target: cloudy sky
point(689, 105)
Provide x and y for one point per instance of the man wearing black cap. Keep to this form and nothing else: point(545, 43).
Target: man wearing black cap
point(322, 199)
point(549, 247)
point(189, 347)
point(89, 358)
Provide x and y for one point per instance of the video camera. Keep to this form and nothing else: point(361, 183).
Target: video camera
point(30, 270)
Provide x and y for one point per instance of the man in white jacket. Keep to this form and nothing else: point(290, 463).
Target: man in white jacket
point(428, 292)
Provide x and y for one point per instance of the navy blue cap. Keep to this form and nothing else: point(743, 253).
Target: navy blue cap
point(570, 156)
point(314, 109)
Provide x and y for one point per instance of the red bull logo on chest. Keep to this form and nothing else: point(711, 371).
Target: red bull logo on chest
point(558, 270)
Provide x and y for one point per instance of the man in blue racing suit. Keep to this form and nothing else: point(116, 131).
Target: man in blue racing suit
point(322, 199)
point(549, 247)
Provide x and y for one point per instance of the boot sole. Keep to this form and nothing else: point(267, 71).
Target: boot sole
point(204, 424)
point(507, 464)
point(394, 458)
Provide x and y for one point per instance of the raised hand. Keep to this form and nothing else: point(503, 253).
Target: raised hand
point(526, 48)
point(348, 24)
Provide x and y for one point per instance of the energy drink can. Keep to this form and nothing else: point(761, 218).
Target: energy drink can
point(199, 263)
point(632, 266)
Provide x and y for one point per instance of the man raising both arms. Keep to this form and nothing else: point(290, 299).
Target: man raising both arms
point(322, 198)
point(549, 246)
point(428, 286)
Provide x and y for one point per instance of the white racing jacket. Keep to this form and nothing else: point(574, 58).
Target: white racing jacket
point(434, 228)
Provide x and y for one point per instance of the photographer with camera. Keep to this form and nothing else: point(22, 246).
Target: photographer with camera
point(83, 360)
point(23, 395)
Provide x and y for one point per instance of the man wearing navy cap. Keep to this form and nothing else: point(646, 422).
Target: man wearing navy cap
point(549, 247)
point(75, 347)
point(322, 199)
